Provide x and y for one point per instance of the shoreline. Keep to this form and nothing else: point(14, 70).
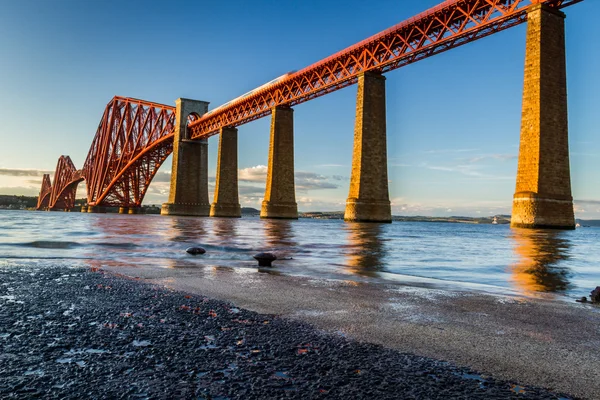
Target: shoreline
point(544, 343)
point(68, 331)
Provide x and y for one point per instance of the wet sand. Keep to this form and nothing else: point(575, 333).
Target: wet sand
point(551, 344)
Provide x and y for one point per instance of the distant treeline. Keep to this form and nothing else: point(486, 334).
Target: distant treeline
point(20, 202)
point(7, 201)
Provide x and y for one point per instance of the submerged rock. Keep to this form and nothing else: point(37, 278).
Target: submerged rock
point(195, 250)
point(265, 259)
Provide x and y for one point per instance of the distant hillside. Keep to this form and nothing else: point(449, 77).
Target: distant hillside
point(249, 211)
point(11, 202)
point(588, 222)
point(500, 219)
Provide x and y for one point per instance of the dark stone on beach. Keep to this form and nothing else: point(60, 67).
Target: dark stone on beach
point(596, 295)
point(265, 259)
point(195, 250)
point(68, 333)
point(582, 300)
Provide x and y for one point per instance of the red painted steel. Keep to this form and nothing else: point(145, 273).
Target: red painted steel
point(441, 28)
point(44, 197)
point(132, 141)
point(135, 136)
point(64, 187)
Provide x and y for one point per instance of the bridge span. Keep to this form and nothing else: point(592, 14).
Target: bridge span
point(135, 137)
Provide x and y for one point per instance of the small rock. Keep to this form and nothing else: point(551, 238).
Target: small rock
point(582, 300)
point(265, 259)
point(195, 250)
point(596, 295)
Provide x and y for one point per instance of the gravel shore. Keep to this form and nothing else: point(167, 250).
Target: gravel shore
point(73, 333)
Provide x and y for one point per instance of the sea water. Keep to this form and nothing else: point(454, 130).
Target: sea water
point(537, 263)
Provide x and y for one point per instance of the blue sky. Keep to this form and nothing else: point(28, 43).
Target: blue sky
point(453, 120)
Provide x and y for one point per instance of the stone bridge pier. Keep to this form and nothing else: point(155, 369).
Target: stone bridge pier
point(543, 191)
point(368, 198)
point(189, 174)
point(280, 193)
point(226, 202)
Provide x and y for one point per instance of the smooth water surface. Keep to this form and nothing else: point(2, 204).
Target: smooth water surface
point(529, 262)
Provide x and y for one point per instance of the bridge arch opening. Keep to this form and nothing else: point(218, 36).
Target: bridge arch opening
point(192, 117)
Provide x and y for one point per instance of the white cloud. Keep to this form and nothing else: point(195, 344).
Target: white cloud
point(253, 174)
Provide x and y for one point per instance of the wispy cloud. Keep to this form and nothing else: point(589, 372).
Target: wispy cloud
point(588, 202)
point(501, 157)
point(251, 191)
point(471, 170)
point(20, 191)
point(162, 176)
point(311, 181)
point(24, 172)
point(304, 180)
point(401, 206)
point(468, 170)
point(449, 151)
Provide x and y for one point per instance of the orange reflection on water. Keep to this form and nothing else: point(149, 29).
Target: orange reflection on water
point(540, 266)
point(365, 252)
point(280, 238)
point(185, 229)
point(225, 228)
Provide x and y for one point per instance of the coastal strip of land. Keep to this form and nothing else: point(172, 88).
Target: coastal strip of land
point(553, 344)
point(71, 333)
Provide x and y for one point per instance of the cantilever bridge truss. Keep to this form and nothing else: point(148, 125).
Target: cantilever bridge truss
point(132, 141)
point(135, 136)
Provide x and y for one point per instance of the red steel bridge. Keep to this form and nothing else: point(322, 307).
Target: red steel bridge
point(135, 137)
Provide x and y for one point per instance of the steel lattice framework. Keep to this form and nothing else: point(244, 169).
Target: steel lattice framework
point(446, 26)
point(132, 141)
point(64, 188)
point(135, 137)
point(44, 197)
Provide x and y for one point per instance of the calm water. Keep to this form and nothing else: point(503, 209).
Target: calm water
point(488, 257)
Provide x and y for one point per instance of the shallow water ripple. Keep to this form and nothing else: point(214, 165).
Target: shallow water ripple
point(533, 263)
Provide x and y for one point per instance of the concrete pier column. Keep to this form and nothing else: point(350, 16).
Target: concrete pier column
point(227, 203)
point(543, 191)
point(280, 193)
point(84, 209)
point(189, 173)
point(134, 210)
point(96, 209)
point(368, 198)
point(123, 210)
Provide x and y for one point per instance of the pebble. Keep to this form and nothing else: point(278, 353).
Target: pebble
point(128, 339)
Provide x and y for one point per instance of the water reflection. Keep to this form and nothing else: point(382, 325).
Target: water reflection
point(366, 253)
point(540, 266)
point(280, 236)
point(225, 228)
point(185, 229)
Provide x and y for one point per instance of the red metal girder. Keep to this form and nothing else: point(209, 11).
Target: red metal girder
point(64, 187)
point(441, 28)
point(133, 139)
point(44, 197)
